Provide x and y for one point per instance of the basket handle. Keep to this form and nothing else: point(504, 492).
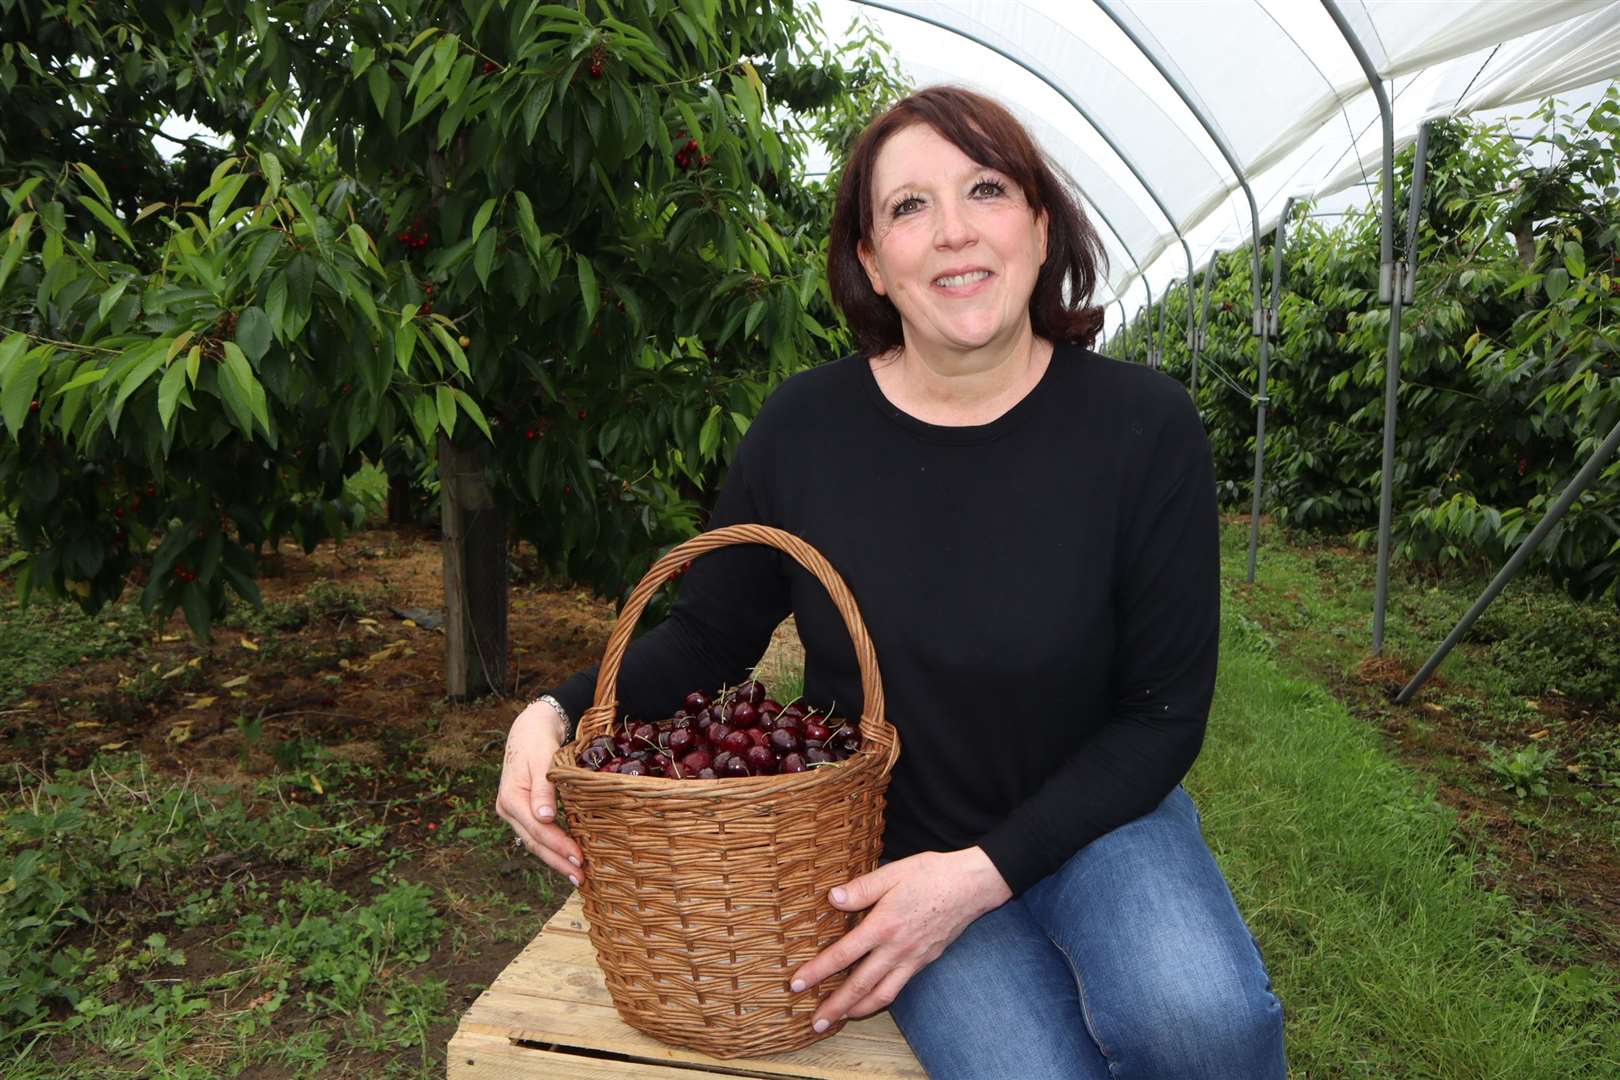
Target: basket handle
point(598, 719)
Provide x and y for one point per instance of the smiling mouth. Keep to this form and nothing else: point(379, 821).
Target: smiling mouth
point(956, 281)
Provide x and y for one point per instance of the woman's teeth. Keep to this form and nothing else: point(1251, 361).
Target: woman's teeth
point(962, 279)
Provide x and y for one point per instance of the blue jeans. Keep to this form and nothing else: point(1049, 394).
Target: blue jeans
point(1129, 961)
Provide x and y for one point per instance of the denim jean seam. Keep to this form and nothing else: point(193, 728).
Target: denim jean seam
point(1085, 1004)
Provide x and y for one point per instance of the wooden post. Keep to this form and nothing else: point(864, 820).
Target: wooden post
point(474, 574)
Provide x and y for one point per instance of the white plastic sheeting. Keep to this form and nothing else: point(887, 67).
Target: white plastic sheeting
point(1275, 79)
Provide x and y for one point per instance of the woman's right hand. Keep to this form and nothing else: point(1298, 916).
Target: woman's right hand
point(526, 799)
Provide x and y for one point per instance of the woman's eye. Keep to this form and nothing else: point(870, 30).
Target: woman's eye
point(906, 205)
point(988, 188)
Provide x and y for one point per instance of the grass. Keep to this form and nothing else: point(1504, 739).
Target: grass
point(1537, 681)
point(1388, 956)
point(298, 925)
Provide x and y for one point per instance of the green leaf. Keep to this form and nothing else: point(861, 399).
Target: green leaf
point(16, 198)
point(381, 87)
point(199, 614)
point(363, 246)
point(16, 245)
point(453, 347)
point(19, 377)
point(111, 297)
point(756, 311)
point(447, 409)
point(92, 178)
point(709, 437)
point(526, 223)
point(360, 58)
point(174, 380)
point(1556, 283)
point(241, 372)
point(481, 218)
point(83, 378)
point(404, 345)
point(270, 165)
point(1574, 260)
point(470, 407)
point(425, 417)
point(254, 332)
point(149, 363)
point(484, 257)
point(587, 287)
point(105, 216)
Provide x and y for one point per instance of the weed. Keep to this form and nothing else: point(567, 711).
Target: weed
point(1524, 772)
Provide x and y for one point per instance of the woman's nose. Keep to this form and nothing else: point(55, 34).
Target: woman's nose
point(952, 229)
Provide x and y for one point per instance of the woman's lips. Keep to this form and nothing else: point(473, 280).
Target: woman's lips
point(964, 283)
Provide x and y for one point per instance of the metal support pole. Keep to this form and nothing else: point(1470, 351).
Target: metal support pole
point(1391, 290)
point(1203, 319)
point(1138, 322)
point(1192, 293)
point(1258, 326)
point(1124, 321)
point(1273, 316)
point(1414, 207)
point(1148, 324)
point(1157, 359)
point(1588, 473)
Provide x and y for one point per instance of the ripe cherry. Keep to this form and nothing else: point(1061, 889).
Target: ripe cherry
point(761, 760)
point(490, 67)
point(696, 702)
point(581, 414)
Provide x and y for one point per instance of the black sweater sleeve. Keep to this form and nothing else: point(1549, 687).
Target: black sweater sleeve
point(730, 603)
point(1166, 599)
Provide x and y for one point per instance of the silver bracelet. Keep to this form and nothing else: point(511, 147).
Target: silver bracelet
point(568, 721)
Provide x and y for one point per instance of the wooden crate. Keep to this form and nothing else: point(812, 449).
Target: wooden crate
point(549, 1015)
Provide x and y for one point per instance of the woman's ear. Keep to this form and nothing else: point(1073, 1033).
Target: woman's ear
point(1041, 227)
point(869, 263)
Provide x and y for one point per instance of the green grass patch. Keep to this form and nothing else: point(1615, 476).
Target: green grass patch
point(1390, 959)
point(1536, 660)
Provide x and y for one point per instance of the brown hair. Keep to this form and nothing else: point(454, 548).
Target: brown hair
point(989, 134)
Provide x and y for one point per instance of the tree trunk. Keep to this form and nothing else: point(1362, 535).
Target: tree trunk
point(401, 501)
point(1524, 238)
point(474, 574)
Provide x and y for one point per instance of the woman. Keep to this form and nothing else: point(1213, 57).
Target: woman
point(1030, 531)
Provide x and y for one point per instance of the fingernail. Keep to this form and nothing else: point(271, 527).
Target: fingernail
point(839, 896)
point(797, 986)
point(573, 860)
point(822, 1025)
point(544, 811)
point(574, 880)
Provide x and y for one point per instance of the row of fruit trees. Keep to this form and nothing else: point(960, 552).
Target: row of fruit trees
point(1510, 355)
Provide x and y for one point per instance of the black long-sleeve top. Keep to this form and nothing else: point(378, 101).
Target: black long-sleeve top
point(1042, 592)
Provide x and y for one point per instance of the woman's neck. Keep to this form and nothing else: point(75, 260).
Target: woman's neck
point(961, 389)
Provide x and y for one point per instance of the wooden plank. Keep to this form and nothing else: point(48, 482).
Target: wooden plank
point(474, 1056)
point(554, 993)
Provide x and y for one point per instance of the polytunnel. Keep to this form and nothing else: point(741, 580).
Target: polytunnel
point(1191, 127)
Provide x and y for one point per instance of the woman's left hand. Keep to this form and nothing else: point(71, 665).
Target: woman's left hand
point(921, 904)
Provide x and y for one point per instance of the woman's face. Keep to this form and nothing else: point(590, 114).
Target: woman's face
point(955, 246)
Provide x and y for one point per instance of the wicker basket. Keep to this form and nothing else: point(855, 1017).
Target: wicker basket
point(703, 897)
